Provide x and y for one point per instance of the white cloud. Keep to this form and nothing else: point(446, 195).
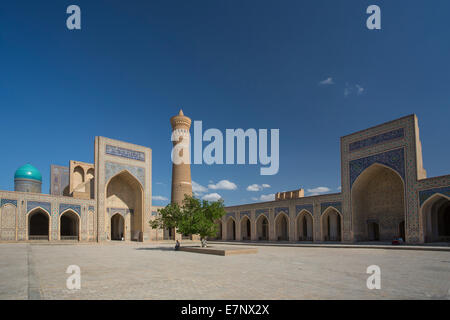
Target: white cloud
point(318, 190)
point(339, 188)
point(257, 187)
point(359, 89)
point(254, 187)
point(223, 185)
point(327, 81)
point(267, 197)
point(212, 197)
point(198, 188)
point(350, 89)
point(159, 198)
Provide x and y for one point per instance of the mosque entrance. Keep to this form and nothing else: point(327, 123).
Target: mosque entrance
point(117, 227)
point(69, 226)
point(38, 225)
point(436, 219)
point(124, 194)
point(378, 205)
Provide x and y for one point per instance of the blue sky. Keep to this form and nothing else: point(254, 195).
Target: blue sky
point(231, 64)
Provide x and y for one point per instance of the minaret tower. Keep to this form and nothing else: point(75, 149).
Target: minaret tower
point(181, 173)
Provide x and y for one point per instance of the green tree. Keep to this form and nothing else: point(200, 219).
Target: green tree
point(195, 216)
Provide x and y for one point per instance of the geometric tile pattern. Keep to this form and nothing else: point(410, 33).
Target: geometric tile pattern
point(394, 134)
point(425, 194)
point(325, 205)
point(34, 204)
point(7, 201)
point(308, 207)
point(63, 207)
point(394, 159)
point(125, 153)
point(112, 168)
point(281, 209)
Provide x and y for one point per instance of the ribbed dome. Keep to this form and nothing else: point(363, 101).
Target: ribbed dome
point(28, 172)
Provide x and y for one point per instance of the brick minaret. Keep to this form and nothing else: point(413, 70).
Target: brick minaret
point(181, 173)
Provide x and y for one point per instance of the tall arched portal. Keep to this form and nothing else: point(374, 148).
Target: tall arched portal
point(69, 226)
point(245, 228)
point(282, 227)
point(125, 194)
point(117, 227)
point(436, 219)
point(262, 228)
point(378, 205)
point(331, 225)
point(305, 226)
point(38, 225)
point(231, 229)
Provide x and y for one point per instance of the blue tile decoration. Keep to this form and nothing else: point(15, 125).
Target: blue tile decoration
point(381, 138)
point(91, 208)
point(281, 209)
point(336, 204)
point(308, 207)
point(245, 213)
point(425, 194)
point(259, 212)
point(63, 207)
point(122, 211)
point(229, 214)
point(125, 153)
point(112, 168)
point(8, 201)
point(394, 159)
point(34, 204)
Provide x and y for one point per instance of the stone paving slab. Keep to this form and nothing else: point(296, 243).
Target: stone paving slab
point(156, 271)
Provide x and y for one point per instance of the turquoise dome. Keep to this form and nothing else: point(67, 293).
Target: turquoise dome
point(28, 172)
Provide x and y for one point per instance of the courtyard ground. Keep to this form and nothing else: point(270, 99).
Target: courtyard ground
point(156, 271)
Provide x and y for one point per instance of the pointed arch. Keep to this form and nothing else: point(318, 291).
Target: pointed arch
point(331, 224)
point(435, 218)
point(125, 192)
point(69, 226)
point(282, 226)
point(246, 228)
point(262, 227)
point(38, 222)
point(304, 226)
point(378, 204)
point(231, 228)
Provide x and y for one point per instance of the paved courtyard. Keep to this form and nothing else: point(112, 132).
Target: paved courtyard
point(155, 271)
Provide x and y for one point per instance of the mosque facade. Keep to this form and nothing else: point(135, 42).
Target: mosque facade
point(385, 195)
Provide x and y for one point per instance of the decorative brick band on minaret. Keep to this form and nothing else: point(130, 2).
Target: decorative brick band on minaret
point(181, 173)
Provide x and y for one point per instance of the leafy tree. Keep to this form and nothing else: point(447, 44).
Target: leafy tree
point(195, 216)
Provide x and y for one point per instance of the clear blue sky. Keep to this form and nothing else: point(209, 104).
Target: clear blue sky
point(231, 64)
